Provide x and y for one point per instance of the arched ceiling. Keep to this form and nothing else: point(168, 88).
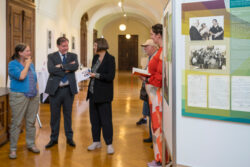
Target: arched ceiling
point(113, 17)
point(147, 12)
point(108, 13)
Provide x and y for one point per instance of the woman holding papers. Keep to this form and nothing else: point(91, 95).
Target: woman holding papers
point(24, 98)
point(153, 88)
point(100, 95)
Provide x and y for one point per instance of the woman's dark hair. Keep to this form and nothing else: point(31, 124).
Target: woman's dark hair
point(61, 40)
point(157, 29)
point(19, 48)
point(102, 44)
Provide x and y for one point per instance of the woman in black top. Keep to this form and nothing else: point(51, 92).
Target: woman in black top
point(100, 95)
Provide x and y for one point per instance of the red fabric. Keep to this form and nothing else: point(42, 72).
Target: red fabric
point(155, 69)
point(156, 119)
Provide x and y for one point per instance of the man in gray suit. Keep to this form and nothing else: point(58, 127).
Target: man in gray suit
point(61, 87)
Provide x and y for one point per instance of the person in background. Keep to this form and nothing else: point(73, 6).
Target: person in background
point(23, 99)
point(216, 31)
point(100, 95)
point(193, 31)
point(61, 87)
point(153, 88)
point(204, 31)
point(150, 49)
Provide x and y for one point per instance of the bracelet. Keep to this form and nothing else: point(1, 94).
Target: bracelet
point(97, 75)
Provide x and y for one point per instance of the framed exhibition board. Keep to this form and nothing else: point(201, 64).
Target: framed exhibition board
point(216, 80)
point(167, 82)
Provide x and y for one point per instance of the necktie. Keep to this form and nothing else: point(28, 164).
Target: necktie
point(64, 79)
point(64, 59)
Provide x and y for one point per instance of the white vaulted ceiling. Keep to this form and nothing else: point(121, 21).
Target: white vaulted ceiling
point(65, 16)
point(147, 12)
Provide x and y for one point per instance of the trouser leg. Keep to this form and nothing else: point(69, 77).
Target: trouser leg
point(105, 111)
point(149, 127)
point(67, 113)
point(145, 109)
point(95, 121)
point(18, 104)
point(55, 111)
point(30, 117)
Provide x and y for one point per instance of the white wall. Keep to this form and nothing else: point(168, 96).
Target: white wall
point(202, 142)
point(3, 43)
point(111, 32)
point(58, 21)
point(47, 18)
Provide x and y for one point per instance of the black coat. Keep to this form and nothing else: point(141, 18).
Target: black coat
point(194, 34)
point(56, 74)
point(103, 87)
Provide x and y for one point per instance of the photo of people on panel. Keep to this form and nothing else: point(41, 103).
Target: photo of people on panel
point(206, 28)
point(208, 57)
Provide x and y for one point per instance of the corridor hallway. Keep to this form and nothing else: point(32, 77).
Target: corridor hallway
point(130, 151)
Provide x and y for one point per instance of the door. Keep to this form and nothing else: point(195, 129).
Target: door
point(84, 39)
point(94, 38)
point(95, 34)
point(20, 26)
point(128, 52)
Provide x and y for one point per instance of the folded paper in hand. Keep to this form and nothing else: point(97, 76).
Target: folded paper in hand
point(84, 75)
point(141, 72)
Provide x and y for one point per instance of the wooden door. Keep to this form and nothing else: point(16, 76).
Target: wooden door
point(84, 39)
point(95, 32)
point(94, 38)
point(29, 31)
point(128, 52)
point(20, 26)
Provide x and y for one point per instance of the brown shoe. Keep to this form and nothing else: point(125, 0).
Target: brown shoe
point(34, 149)
point(12, 155)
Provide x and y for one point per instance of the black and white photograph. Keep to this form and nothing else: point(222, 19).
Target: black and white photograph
point(208, 57)
point(206, 28)
point(73, 43)
point(50, 41)
point(62, 34)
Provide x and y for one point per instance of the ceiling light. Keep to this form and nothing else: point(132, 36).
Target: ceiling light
point(125, 15)
point(128, 36)
point(122, 27)
point(120, 4)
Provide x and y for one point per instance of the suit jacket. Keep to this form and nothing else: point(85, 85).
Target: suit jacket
point(194, 34)
point(103, 87)
point(56, 74)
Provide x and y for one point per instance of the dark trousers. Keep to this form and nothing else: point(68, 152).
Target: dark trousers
point(101, 118)
point(62, 98)
point(146, 112)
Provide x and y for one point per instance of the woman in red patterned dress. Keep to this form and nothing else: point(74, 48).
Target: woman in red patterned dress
point(153, 88)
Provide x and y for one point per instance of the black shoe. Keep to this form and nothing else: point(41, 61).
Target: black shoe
point(148, 140)
point(141, 121)
point(71, 143)
point(51, 144)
